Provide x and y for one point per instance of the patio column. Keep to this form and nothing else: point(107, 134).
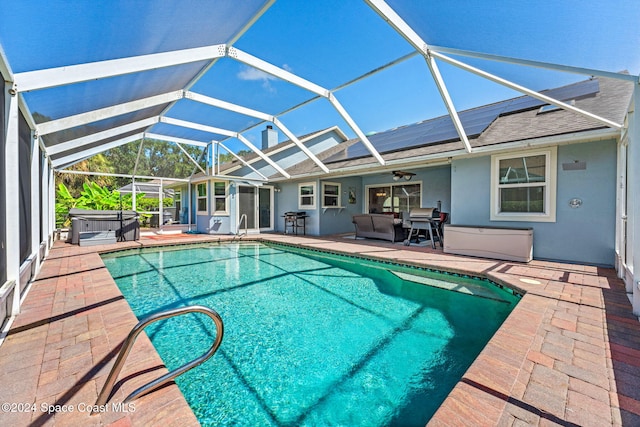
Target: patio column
point(12, 179)
point(621, 209)
point(160, 207)
point(52, 202)
point(633, 203)
point(35, 198)
point(45, 203)
point(189, 204)
point(133, 193)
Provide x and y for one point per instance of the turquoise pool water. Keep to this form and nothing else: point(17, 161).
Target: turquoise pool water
point(310, 338)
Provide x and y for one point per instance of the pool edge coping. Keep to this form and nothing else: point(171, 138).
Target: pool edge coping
point(471, 400)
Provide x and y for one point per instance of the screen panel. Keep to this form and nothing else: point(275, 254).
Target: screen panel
point(24, 135)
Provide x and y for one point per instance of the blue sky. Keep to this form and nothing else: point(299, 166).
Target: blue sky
point(600, 35)
point(328, 42)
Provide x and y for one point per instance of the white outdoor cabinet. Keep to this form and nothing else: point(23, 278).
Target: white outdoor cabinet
point(506, 243)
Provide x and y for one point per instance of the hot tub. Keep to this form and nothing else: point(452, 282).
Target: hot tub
point(86, 223)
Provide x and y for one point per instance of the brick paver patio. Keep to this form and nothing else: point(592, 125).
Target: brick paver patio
point(569, 353)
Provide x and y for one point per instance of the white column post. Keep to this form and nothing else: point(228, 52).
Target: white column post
point(133, 193)
point(35, 198)
point(52, 201)
point(621, 202)
point(46, 206)
point(12, 183)
point(189, 204)
point(633, 203)
point(160, 207)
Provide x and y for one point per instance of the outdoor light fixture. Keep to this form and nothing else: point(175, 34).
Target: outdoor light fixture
point(397, 175)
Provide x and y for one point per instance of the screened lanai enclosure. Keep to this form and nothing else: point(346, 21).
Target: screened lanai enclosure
point(83, 78)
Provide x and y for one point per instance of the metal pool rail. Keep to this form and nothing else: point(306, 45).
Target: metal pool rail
point(159, 382)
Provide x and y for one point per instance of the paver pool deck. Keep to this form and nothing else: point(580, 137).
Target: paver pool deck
point(568, 354)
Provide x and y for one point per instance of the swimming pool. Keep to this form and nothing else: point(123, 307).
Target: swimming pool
point(310, 338)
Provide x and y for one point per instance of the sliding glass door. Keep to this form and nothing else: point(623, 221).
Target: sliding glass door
point(256, 204)
point(387, 198)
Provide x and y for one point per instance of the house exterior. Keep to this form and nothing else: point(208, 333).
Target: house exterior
point(219, 204)
point(532, 165)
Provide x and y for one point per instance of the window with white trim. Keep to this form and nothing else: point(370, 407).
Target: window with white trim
point(202, 201)
point(307, 195)
point(220, 197)
point(523, 186)
point(331, 195)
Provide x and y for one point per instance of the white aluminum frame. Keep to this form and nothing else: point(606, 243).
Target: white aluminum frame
point(241, 161)
point(74, 144)
point(175, 139)
point(76, 157)
point(190, 158)
point(59, 76)
point(287, 76)
point(537, 64)
point(259, 115)
point(402, 28)
point(12, 193)
point(633, 202)
point(107, 112)
point(526, 91)
point(15, 83)
point(35, 198)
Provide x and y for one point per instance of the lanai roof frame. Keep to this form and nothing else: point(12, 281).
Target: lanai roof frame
point(431, 54)
point(32, 80)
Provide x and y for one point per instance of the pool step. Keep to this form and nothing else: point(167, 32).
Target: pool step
point(463, 288)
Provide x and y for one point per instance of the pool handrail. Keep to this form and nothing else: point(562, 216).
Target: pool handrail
point(159, 382)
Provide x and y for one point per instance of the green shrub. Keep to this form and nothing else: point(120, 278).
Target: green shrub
point(92, 197)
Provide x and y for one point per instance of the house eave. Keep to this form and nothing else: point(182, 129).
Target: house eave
point(446, 157)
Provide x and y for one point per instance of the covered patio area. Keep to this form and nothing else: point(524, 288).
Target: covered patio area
point(521, 115)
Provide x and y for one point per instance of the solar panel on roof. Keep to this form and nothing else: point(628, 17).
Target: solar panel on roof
point(474, 121)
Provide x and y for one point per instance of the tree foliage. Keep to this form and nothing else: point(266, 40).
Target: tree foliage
point(228, 157)
point(157, 158)
point(75, 182)
point(92, 197)
point(95, 197)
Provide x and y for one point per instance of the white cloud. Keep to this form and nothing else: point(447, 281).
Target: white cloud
point(248, 73)
point(253, 74)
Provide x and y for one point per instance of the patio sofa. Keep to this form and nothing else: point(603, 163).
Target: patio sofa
point(379, 226)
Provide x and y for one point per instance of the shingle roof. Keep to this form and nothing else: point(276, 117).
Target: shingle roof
point(611, 102)
point(284, 145)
